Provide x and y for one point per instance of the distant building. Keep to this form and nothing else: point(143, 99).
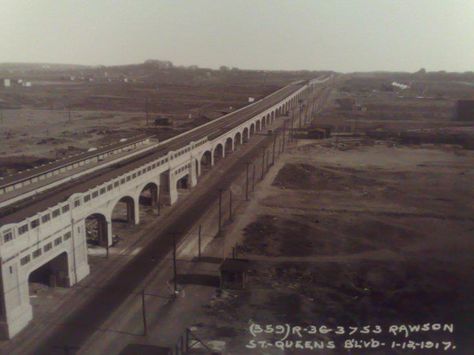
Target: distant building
point(464, 110)
point(7, 83)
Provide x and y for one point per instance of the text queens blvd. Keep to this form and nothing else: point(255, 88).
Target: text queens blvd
point(405, 330)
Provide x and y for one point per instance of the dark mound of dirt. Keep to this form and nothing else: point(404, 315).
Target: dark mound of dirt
point(306, 235)
point(296, 176)
point(270, 235)
point(308, 177)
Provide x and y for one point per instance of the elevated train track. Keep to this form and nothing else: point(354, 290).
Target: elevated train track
point(23, 209)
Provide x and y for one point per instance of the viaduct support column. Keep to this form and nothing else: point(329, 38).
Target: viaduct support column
point(77, 258)
point(192, 173)
point(15, 301)
point(136, 210)
point(173, 188)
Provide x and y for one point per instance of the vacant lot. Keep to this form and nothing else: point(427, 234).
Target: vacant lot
point(356, 233)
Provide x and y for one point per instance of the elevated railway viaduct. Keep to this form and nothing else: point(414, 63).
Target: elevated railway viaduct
point(50, 229)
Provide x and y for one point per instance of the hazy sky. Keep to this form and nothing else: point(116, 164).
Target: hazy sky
point(342, 35)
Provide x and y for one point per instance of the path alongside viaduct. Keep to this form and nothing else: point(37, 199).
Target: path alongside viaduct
point(49, 232)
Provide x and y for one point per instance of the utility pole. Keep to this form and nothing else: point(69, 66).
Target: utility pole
point(300, 118)
point(158, 204)
point(268, 159)
point(253, 178)
point(199, 241)
point(273, 149)
point(145, 325)
point(175, 273)
point(292, 134)
point(146, 110)
point(230, 205)
point(247, 181)
point(220, 212)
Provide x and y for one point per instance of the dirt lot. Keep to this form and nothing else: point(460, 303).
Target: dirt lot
point(66, 112)
point(355, 233)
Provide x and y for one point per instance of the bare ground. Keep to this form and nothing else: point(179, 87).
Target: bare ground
point(369, 234)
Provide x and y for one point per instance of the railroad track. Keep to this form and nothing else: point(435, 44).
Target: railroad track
point(215, 128)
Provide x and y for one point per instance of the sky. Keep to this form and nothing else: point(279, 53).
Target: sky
point(340, 35)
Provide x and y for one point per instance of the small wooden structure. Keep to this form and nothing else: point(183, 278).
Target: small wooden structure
point(233, 273)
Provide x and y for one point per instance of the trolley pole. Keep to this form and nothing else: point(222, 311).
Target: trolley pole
point(273, 149)
point(220, 212)
point(175, 273)
point(199, 242)
point(247, 182)
point(253, 178)
point(145, 325)
point(230, 205)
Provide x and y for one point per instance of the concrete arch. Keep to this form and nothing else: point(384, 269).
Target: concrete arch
point(272, 119)
point(257, 126)
point(148, 195)
point(98, 229)
point(183, 182)
point(245, 134)
point(263, 123)
point(238, 139)
point(268, 120)
point(252, 130)
point(217, 153)
point(131, 215)
point(205, 162)
point(53, 271)
point(229, 145)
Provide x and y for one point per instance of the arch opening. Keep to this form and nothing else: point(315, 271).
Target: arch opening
point(218, 153)
point(229, 146)
point(205, 162)
point(237, 140)
point(53, 273)
point(149, 195)
point(124, 211)
point(123, 218)
point(183, 183)
point(96, 230)
point(245, 135)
